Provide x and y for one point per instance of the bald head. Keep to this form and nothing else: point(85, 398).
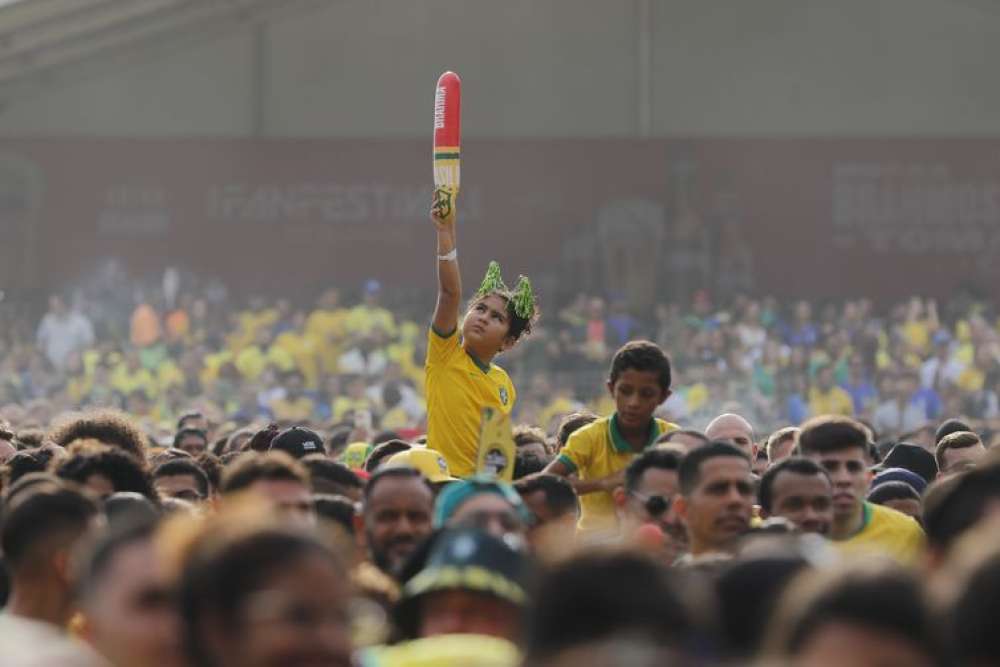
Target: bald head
point(732, 429)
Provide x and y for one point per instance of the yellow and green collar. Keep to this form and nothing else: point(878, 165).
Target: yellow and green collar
point(622, 445)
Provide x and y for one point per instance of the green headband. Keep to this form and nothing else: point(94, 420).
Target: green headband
point(523, 298)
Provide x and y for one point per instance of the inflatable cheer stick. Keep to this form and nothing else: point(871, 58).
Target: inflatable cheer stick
point(447, 142)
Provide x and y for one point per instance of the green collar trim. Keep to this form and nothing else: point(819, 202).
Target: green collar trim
point(618, 441)
point(866, 518)
point(479, 364)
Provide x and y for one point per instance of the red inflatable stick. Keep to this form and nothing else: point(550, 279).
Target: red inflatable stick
point(447, 132)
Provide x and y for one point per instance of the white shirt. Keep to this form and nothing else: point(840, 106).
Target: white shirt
point(28, 643)
point(61, 336)
point(889, 419)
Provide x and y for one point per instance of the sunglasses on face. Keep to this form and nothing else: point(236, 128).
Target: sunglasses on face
point(654, 505)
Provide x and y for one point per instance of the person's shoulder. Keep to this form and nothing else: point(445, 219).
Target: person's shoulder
point(666, 427)
point(592, 431)
point(893, 519)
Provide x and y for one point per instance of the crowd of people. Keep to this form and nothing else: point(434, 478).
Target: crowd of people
point(898, 368)
point(187, 483)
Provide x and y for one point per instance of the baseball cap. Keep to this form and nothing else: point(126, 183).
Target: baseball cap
point(428, 462)
point(298, 441)
point(456, 494)
point(466, 559)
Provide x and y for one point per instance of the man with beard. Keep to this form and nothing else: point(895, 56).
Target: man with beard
point(395, 516)
point(799, 490)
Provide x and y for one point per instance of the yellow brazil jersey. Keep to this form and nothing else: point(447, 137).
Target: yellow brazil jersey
point(458, 388)
point(599, 450)
point(886, 531)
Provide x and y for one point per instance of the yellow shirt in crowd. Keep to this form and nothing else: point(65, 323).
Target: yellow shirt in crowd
point(599, 450)
point(836, 401)
point(886, 531)
point(458, 388)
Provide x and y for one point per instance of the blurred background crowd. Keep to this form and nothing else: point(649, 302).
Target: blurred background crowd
point(159, 347)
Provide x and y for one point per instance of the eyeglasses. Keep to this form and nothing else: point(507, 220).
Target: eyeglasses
point(654, 505)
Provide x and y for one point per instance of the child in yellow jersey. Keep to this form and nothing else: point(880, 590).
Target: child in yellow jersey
point(600, 451)
point(461, 379)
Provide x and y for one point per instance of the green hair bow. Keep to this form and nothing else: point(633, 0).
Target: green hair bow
point(523, 297)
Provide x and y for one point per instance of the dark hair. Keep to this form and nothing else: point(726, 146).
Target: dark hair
point(894, 490)
point(328, 476)
point(954, 440)
point(254, 467)
point(689, 471)
point(184, 467)
point(661, 459)
point(599, 596)
point(190, 414)
point(559, 494)
point(748, 590)
point(955, 504)
point(384, 451)
point(972, 616)
point(25, 462)
point(527, 463)
point(337, 440)
point(641, 355)
point(184, 432)
point(570, 424)
point(690, 432)
point(120, 468)
point(796, 465)
point(29, 438)
point(213, 466)
point(526, 434)
point(822, 435)
point(778, 437)
point(40, 516)
point(218, 578)
point(92, 567)
point(335, 508)
point(110, 427)
point(949, 426)
point(519, 326)
point(883, 599)
point(399, 472)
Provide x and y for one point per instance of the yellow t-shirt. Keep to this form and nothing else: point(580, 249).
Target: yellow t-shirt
point(888, 532)
point(834, 402)
point(298, 410)
point(598, 450)
point(458, 388)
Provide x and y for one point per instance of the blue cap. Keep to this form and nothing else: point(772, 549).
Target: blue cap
point(899, 475)
point(456, 494)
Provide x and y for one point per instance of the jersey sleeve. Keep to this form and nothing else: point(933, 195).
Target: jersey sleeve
point(440, 347)
point(576, 454)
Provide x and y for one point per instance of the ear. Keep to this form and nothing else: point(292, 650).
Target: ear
point(618, 495)
point(754, 448)
point(611, 388)
point(61, 567)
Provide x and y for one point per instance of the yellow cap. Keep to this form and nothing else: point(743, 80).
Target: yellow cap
point(428, 462)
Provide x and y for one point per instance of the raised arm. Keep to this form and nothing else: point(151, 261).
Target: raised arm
point(449, 294)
